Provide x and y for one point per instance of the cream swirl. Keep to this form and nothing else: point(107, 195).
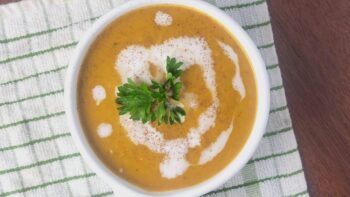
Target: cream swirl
point(134, 62)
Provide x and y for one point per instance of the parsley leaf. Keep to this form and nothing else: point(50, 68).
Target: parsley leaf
point(154, 102)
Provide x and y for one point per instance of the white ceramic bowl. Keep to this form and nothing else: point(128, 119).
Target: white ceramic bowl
point(119, 185)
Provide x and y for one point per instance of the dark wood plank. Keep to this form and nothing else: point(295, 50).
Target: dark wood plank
point(313, 44)
point(7, 1)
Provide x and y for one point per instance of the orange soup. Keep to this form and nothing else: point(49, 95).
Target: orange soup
point(218, 95)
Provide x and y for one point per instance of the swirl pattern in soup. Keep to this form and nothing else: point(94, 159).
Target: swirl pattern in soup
point(219, 97)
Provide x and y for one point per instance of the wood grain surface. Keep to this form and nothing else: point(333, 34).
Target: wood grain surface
point(7, 1)
point(312, 38)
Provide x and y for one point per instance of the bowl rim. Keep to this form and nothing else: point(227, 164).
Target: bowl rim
point(118, 184)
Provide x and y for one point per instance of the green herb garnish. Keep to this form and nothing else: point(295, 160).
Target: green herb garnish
point(155, 102)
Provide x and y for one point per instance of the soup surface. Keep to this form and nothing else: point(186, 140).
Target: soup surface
point(219, 97)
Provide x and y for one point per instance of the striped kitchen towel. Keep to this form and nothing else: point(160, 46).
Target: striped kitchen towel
point(37, 154)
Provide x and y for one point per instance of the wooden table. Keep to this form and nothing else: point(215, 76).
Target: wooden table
point(313, 44)
point(312, 38)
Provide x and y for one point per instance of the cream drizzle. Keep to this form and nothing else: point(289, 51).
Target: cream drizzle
point(134, 62)
point(163, 19)
point(191, 100)
point(237, 82)
point(98, 94)
point(216, 147)
point(104, 130)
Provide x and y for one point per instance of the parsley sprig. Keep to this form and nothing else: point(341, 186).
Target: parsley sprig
point(154, 102)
